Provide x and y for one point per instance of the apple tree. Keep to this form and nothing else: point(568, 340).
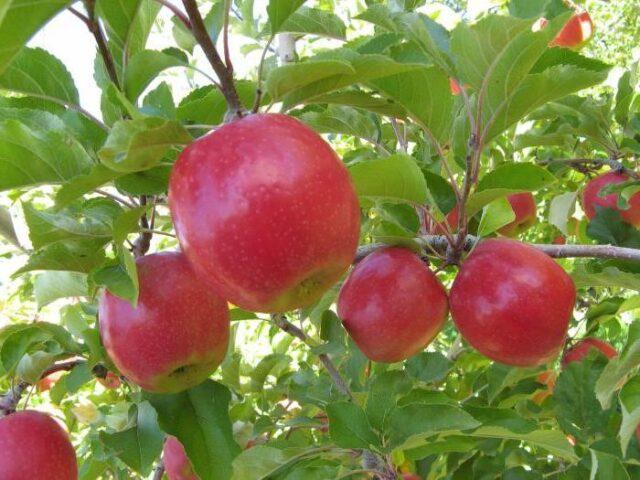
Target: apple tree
point(330, 239)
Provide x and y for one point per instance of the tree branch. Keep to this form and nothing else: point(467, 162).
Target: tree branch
point(98, 34)
point(143, 242)
point(225, 75)
point(177, 12)
point(158, 472)
point(613, 163)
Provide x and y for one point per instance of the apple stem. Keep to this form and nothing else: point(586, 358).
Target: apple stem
point(224, 72)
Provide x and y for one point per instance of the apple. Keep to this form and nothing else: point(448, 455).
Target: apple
point(582, 348)
point(176, 463)
point(176, 336)
point(559, 240)
point(410, 476)
point(575, 32)
point(450, 225)
point(591, 198)
point(548, 379)
point(392, 305)
point(266, 212)
point(33, 445)
point(111, 381)
point(512, 302)
point(47, 383)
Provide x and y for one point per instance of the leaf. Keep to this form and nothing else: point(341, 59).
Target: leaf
point(199, 418)
point(20, 20)
point(51, 286)
point(440, 192)
point(140, 144)
point(396, 178)
point(605, 466)
point(495, 215)
point(345, 120)
point(139, 446)
point(70, 255)
point(52, 156)
point(431, 37)
point(630, 404)
point(349, 427)
point(624, 97)
point(411, 423)
point(611, 277)
point(97, 176)
point(207, 105)
point(119, 276)
point(561, 209)
point(383, 395)
point(159, 103)
point(148, 182)
point(263, 462)
point(280, 10)
point(288, 78)
point(379, 15)
point(428, 367)
point(551, 440)
point(315, 21)
point(362, 100)
point(146, 65)
point(35, 71)
point(607, 227)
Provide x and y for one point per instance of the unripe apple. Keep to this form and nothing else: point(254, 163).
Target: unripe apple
point(575, 32)
point(512, 302)
point(591, 199)
point(266, 212)
point(178, 333)
point(176, 463)
point(33, 446)
point(583, 347)
point(111, 381)
point(524, 208)
point(392, 305)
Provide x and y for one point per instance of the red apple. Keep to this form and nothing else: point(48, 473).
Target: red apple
point(582, 348)
point(450, 225)
point(575, 32)
point(524, 208)
point(49, 381)
point(392, 305)
point(111, 381)
point(266, 212)
point(176, 463)
point(178, 333)
point(512, 302)
point(33, 446)
point(559, 240)
point(591, 199)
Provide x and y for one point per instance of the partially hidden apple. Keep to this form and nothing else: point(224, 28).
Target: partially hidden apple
point(548, 379)
point(34, 446)
point(583, 347)
point(176, 336)
point(111, 381)
point(512, 302)
point(591, 198)
point(47, 383)
point(176, 463)
point(578, 30)
point(410, 476)
point(266, 212)
point(392, 305)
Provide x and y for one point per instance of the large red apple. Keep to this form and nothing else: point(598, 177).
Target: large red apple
point(512, 302)
point(392, 305)
point(266, 212)
point(591, 198)
point(33, 446)
point(575, 32)
point(176, 463)
point(178, 333)
point(583, 347)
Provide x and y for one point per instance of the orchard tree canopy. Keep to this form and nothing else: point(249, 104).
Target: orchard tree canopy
point(321, 239)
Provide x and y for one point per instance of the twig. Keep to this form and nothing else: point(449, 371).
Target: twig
point(402, 142)
point(81, 16)
point(95, 28)
point(124, 202)
point(259, 92)
point(225, 36)
point(158, 472)
point(143, 242)
point(613, 163)
point(225, 75)
point(177, 12)
point(157, 232)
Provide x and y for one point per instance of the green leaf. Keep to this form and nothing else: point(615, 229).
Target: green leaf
point(607, 227)
point(428, 367)
point(314, 21)
point(119, 276)
point(70, 255)
point(362, 100)
point(139, 446)
point(36, 72)
point(207, 106)
point(495, 215)
point(146, 65)
point(431, 37)
point(52, 156)
point(148, 182)
point(379, 15)
point(610, 277)
point(344, 120)
point(199, 418)
point(605, 466)
point(440, 192)
point(280, 10)
point(159, 103)
point(349, 427)
point(624, 97)
point(561, 209)
point(140, 144)
point(288, 78)
point(383, 395)
point(51, 286)
point(411, 423)
point(20, 20)
point(630, 404)
point(395, 178)
point(97, 176)
point(32, 366)
point(263, 462)
point(553, 441)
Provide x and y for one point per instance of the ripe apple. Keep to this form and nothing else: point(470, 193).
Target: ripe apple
point(582, 348)
point(47, 383)
point(575, 32)
point(32, 446)
point(512, 302)
point(176, 463)
point(591, 199)
point(111, 381)
point(392, 305)
point(266, 212)
point(178, 333)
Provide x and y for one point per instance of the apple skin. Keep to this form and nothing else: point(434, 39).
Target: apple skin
point(575, 32)
point(111, 381)
point(178, 334)
point(392, 305)
point(591, 200)
point(266, 212)
point(512, 303)
point(32, 446)
point(582, 348)
point(176, 463)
